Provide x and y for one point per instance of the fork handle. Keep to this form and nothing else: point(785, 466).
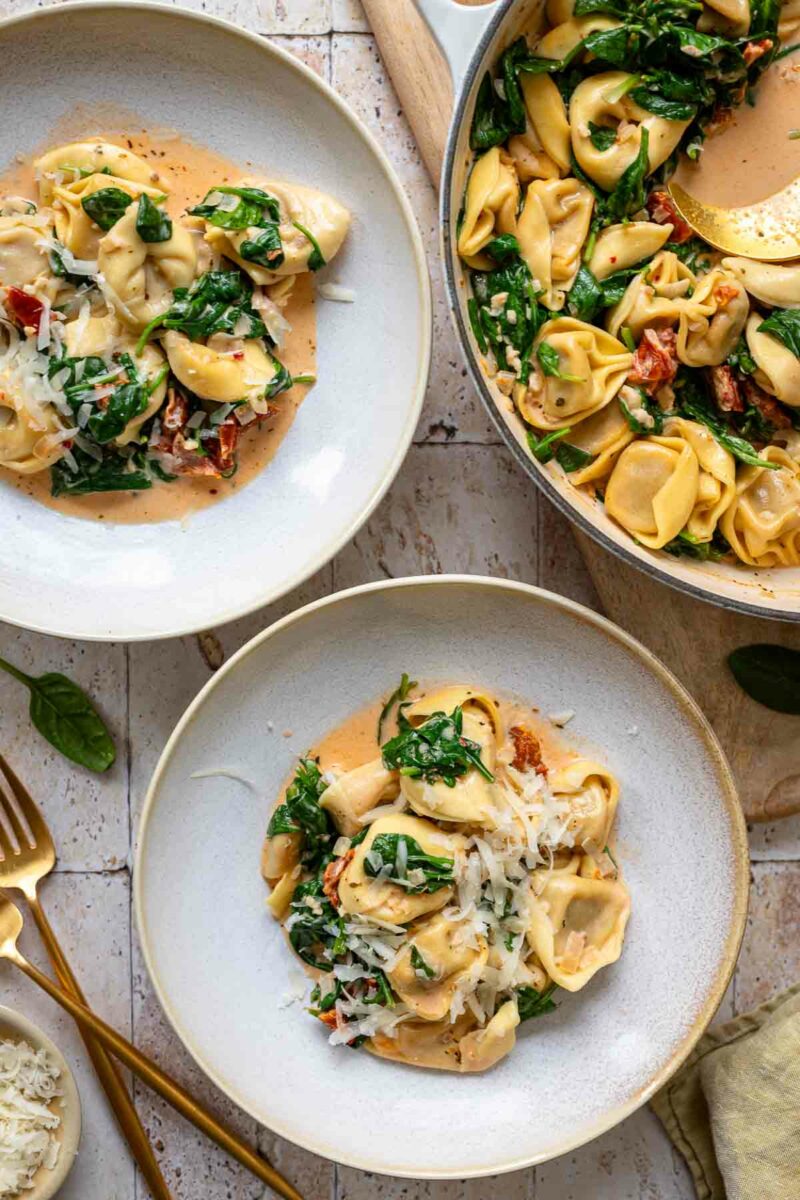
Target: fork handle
point(106, 1068)
point(160, 1082)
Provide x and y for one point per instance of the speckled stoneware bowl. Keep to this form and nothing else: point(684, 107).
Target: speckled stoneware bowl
point(245, 98)
point(473, 39)
point(16, 1028)
point(220, 964)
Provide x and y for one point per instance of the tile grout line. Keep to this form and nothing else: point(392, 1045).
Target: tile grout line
point(129, 777)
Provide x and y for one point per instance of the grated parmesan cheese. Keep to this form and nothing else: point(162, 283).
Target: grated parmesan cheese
point(335, 291)
point(29, 1084)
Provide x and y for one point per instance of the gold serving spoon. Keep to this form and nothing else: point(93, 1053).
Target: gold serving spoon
point(768, 230)
point(148, 1072)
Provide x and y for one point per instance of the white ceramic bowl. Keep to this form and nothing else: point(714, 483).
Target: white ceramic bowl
point(220, 964)
point(16, 1028)
point(241, 96)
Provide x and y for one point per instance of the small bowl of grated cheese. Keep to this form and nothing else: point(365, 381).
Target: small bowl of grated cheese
point(40, 1112)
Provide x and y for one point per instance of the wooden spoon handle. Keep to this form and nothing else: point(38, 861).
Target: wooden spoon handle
point(419, 73)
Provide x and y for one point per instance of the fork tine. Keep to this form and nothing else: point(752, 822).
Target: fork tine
point(27, 807)
point(9, 817)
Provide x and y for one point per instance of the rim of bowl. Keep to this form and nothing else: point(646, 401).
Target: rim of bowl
point(653, 568)
point(48, 1184)
point(741, 864)
point(324, 556)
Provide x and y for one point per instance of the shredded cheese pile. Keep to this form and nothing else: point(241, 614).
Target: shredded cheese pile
point(29, 1083)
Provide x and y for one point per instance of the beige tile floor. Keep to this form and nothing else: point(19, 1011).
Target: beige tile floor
point(459, 503)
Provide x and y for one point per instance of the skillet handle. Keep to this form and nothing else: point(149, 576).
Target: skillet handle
point(458, 28)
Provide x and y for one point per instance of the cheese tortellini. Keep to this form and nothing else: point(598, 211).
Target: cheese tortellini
point(417, 877)
point(78, 160)
point(762, 524)
point(776, 284)
point(491, 203)
point(577, 926)
point(592, 366)
point(29, 438)
point(604, 101)
point(653, 489)
point(139, 276)
point(777, 368)
point(309, 223)
point(551, 230)
point(24, 253)
point(712, 320)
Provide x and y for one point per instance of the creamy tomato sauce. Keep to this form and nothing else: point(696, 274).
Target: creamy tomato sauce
point(193, 171)
point(753, 155)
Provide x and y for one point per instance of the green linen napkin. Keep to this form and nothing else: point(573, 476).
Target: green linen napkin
point(733, 1109)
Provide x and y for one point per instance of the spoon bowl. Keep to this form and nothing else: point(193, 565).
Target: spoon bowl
point(768, 230)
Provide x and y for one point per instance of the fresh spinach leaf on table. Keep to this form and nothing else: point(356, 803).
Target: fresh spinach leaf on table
point(770, 675)
point(66, 717)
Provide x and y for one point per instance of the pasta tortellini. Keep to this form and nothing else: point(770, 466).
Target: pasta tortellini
point(603, 436)
point(24, 254)
point(450, 959)
point(653, 489)
point(104, 337)
point(491, 203)
point(384, 900)
point(655, 298)
point(551, 230)
point(577, 926)
point(762, 524)
point(713, 320)
point(471, 799)
point(418, 883)
point(593, 794)
point(356, 792)
point(592, 367)
point(778, 369)
point(29, 439)
point(621, 246)
point(217, 372)
point(139, 276)
point(567, 36)
point(543, 151)
point(303, 211)
point(74, 226)
point(716, 485)
point(602, 101)
point(70, 163)
point(776, 284)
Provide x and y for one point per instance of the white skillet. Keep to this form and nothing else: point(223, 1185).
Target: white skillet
point(222, 969)
point(473, 38)
point(243, 97)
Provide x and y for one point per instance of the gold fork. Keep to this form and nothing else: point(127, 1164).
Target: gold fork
point(140, 1064)
point(34, 846)
point(28, 854)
